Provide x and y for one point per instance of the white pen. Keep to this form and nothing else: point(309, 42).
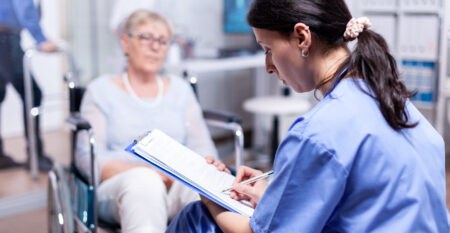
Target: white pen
point(251, 180)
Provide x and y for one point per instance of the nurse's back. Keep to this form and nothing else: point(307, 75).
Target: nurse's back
point(396, 179)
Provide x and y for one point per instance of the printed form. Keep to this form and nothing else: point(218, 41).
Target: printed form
point(190, 167)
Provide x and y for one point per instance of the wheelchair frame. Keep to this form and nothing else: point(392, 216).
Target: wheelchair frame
point(33, 112)
point(223, 120)
point(62, 216)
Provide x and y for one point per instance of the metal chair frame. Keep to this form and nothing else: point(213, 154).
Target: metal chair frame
point(225, 121)
point(88, 221)
point(33, 112)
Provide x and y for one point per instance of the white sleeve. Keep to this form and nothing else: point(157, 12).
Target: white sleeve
point(96, 118)
point(198, 137)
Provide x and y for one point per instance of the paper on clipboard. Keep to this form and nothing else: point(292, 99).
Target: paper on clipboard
point(178, 161)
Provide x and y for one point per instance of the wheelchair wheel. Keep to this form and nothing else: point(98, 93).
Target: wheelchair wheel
point(59, 209)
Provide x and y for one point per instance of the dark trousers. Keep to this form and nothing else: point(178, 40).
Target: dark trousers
point(195, 217)
point(11, 71)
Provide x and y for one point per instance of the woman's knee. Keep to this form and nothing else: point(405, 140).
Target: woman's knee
point(143, 182)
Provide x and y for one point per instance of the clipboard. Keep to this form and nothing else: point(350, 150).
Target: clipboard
point(155, 148)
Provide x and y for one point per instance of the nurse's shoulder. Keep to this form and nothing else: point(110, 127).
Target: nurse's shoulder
point(341, 122)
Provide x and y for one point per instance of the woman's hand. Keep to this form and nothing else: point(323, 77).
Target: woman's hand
point(251, 192)
point(219, 165)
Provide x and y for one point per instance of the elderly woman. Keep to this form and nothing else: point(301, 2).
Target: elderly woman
point(124, 106)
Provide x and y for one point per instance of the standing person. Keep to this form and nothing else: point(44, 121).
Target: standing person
point(364, 159)
point(14, 16)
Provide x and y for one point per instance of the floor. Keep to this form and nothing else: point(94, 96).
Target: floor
point(36, 220)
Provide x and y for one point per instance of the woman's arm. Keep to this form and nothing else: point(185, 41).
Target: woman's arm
point(231, 222)
point(107, 167)
point(96, 118)
point(114, 167)
point(228, 221)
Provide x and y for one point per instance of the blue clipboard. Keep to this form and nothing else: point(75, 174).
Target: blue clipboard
point(130, 150)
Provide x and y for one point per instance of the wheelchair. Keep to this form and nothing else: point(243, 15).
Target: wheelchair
point(72, 197)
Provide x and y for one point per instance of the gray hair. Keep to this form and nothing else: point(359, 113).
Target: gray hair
point(143, 16)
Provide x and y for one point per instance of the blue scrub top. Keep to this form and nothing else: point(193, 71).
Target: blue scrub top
point(18, 14)
point(342, 168)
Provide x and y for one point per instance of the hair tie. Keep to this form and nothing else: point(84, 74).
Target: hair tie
point(355, 27)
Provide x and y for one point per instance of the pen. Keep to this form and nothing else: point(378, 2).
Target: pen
point(251, 180)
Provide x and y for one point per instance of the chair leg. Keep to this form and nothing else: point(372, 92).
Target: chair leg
point(238, 145)
point(275, 142)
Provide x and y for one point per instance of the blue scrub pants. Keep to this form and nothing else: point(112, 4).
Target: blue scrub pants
point(194, 218)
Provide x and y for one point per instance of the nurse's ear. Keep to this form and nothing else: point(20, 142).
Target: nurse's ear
point(302, 35)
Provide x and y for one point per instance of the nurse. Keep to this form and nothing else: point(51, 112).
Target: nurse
point(364, 159)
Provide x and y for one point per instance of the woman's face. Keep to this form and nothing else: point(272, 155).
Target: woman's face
point(147, 47)
point(284, 59)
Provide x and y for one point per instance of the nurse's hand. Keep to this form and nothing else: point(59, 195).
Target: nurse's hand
point(48, 47)
point(251, 192)
point(219, 165)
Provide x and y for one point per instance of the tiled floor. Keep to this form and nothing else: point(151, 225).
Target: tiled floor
point(36, 221)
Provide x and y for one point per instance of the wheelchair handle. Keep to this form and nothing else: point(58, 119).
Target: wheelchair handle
point(33, 112)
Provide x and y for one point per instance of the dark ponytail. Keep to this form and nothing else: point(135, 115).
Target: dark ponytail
point(370, 60)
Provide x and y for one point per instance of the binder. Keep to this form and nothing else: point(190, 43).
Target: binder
point(166, 154)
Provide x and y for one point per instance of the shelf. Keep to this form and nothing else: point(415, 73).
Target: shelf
point(417, 58)
point(384, 11)
point(417, 35)
point(427, 11)
point(219, 64)
point(424, 105)
point(394, 11)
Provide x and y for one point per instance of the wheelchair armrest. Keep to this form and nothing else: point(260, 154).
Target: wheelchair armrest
point(231, 122)
point(222, 116)
point(78, 123)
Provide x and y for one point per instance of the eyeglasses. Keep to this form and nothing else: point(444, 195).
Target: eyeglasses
point(148, 39)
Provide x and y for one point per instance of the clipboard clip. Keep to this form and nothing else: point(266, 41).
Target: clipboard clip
point(144, 139)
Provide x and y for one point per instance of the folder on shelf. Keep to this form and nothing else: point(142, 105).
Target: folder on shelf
point(181, 163)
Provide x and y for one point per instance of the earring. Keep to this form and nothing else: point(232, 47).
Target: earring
point(305, 54)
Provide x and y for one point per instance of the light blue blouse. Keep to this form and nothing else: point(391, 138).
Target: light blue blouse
point(117, 119)
point(342, 168)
